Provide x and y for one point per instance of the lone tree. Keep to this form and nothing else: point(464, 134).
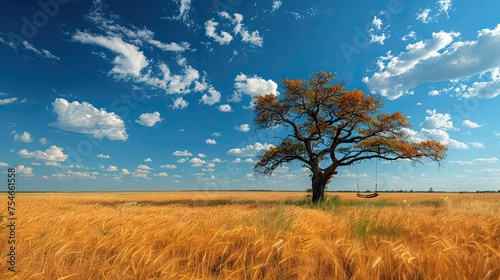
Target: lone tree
point(330, 127)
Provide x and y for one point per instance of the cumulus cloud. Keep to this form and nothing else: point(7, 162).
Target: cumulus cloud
point(85, 118)
point(161, 174)
point(210, 141)
point(25, 171)
point(168, 166)
point(212, 97)
point(226, 108)
point(179, 103)
point(184, 153)
point(53, 153)
point(435, 120)
point(25, 137)
point(124, 171)
point(244, 127)
point(112, 168)
point(43, 141)
point(148, 160)
point(149, 119)
point(252, 86)
point(197, 162)
point(441, 59)
point(250, 150)
point(470, 124)
point(3, 164)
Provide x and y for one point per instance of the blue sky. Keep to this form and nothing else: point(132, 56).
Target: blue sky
point(117, 95)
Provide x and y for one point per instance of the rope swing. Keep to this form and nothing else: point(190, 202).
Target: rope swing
point(367, 195)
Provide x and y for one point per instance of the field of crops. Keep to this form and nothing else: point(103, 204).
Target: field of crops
point(254, 235)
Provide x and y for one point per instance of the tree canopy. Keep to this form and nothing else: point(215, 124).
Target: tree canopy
point(329, 126)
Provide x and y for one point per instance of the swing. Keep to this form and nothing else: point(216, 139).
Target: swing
point(368, 195)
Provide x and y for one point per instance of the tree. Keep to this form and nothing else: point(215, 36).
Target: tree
point(329, 127)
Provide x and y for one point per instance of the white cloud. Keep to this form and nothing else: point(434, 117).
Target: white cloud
point(444, 5)
point(161, 174)
point(252, 86)
point(148, 160)
point(129, 62)
point(197, 162)
point(411, 35)
point(225, 108)
point(424, 16)
point(182, 160)
point(476, 161)
point(250, 150)
point(144, 167)
point(253, 38)
point(53, 153)
point(7, 101)
point(25, 137)
point(25, 171)
point(211, 99)
point(210, 141)
point(183, 16)
point(244, 127)
point(377, 22)
point(102, 156)
point(184, 153)
point(216, 134)
point(149, 119)
point(477, 145)
point(436, 120)
point(216, 160)
point(470, 124)
point(179, 103)
point(210, 31)
point(276, 5)
point(72, 175)
point(168, 166)
point(434, 92)
point(3, 164)
point(43, 141)
point(85, 118)
point(41, 53)
point(439, 135)
point(112, 168)
point(200, 155)
point(239, 28)
point(124, 171)
point(376, 32)
point(439, 59)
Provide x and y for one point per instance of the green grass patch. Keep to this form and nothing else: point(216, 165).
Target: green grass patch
point(367, 223)
point(432, 203)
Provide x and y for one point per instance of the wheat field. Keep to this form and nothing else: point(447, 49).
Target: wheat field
point(254, 235)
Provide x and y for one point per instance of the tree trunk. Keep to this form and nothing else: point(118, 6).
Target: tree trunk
point(318, 188)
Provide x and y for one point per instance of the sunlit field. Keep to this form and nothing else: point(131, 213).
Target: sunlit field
point(254, 235)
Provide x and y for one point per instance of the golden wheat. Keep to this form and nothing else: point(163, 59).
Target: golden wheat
point(238, 235)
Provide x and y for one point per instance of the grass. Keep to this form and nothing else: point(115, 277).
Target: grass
point(255, 235)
